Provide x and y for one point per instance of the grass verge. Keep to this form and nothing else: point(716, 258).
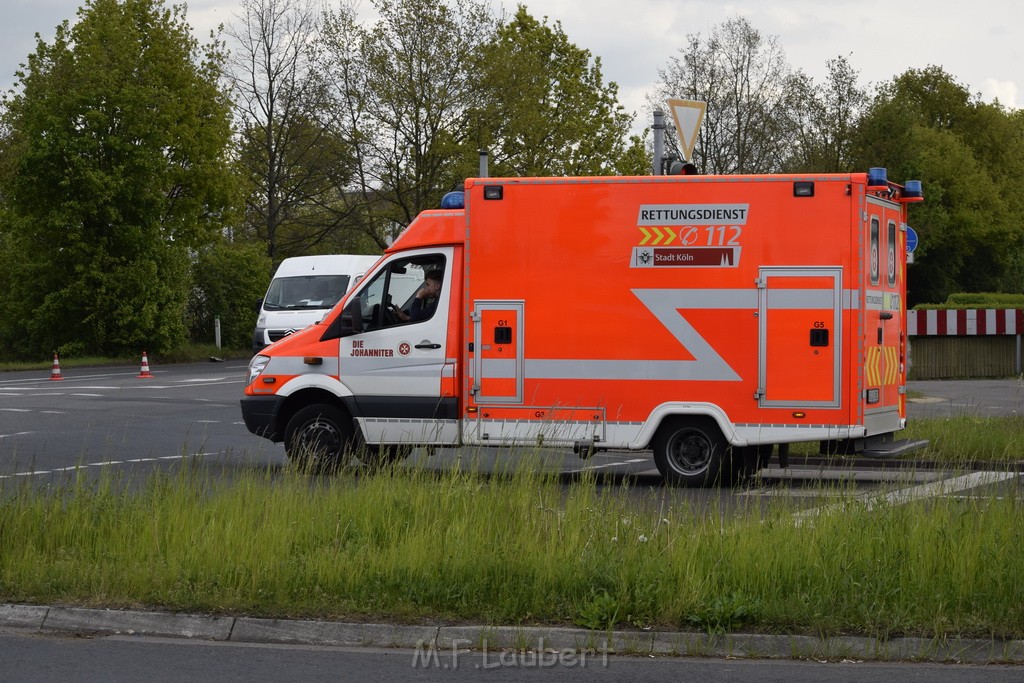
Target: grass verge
point(520, 548)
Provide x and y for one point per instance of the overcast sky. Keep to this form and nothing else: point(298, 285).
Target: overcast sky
point(979, 43)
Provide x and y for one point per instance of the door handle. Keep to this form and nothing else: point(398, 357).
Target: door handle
point(427, 345)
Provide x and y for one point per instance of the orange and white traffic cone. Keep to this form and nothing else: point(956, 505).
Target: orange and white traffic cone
point(55, 372)
point(144, 371)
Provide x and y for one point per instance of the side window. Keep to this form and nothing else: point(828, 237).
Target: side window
point(875, 246)
point(891, 249)
point(405, 292)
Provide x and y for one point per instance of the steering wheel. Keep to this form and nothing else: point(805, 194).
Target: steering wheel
point(390, 317)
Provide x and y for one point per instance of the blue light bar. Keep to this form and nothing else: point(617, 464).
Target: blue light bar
point(454, 200)
point(877, 176)
point(912, 189)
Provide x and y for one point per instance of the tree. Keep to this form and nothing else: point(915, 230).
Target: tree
point(403, 91)
point(229, 278)
point(924, 125)
point(288, 152)
point(749, 90)
point(825, 118)
point(547, 110)
point(118, 168)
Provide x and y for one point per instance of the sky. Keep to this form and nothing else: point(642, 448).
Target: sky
point(979, 43)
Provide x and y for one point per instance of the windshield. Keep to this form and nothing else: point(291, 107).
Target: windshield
point(305, 292)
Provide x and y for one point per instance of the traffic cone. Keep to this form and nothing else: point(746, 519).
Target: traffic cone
point(55, 373)
point(144, 372)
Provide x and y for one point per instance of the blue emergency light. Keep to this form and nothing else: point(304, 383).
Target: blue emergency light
point(454, 200)
point(877, 177)
point(912, 189)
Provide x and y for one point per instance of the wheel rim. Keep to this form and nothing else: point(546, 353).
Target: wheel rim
point(317, 439)
point(690, 451)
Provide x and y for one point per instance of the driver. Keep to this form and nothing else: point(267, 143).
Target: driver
point(425, 301)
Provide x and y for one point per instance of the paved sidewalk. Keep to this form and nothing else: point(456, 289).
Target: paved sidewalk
point(448, 639)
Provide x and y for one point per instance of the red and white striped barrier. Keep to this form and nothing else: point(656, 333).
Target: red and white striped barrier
point(965, 322)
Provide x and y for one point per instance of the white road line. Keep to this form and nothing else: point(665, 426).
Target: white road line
point(15, 410)
point(943, 487)
point(4, 436)
point(99, 464)
point(89, 395)
point(610, 464)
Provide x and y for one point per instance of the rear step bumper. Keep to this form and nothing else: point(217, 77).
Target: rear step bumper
point(893, 449)
point(877, 446)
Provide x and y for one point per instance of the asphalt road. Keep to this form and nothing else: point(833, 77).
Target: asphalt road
point(32, 657)
point(110, 417)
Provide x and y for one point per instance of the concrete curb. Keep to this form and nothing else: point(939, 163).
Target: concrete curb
point(454, 639)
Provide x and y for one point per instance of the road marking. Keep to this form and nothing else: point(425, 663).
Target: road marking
point(943, 487)
point(89, 395)
point(104, 463)
point(610, 464)
point(15, 410)
point(4, 436)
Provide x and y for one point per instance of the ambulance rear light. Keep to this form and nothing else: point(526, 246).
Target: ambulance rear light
point(803, 188)
point(494, 191)
point(878, 178)
point(454, 200)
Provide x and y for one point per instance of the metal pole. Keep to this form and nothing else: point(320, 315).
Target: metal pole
point(659, 141)
point(483, 163)
point(216, 330)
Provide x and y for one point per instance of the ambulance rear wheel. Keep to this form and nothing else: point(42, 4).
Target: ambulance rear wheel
point(318, 438)
point(690, 452)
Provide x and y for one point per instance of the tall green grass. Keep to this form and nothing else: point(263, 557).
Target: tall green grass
point(521, 547)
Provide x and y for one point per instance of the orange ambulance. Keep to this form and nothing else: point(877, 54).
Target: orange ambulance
point(708, 319)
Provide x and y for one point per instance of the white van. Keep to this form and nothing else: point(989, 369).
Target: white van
point(304, 288)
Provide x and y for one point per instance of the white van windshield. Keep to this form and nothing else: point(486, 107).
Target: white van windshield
point(305, 292)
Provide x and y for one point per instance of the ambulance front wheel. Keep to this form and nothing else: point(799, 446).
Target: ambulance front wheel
point(690, 452)
point(317, 438)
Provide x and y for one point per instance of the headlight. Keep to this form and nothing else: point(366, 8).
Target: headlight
point(262, 320)
point(256, 367)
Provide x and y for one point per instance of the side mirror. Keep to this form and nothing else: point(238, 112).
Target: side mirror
point(259, 304)
point(348, 323)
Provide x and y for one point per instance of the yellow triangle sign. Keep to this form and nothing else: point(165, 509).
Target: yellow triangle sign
point(688, 115)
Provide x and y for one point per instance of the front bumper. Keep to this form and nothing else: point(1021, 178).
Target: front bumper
point(260, 415)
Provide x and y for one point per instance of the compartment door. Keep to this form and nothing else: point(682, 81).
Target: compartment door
point(800, 337)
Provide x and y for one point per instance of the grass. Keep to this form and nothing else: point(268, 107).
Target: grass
point(521, 548)
point(192, 353)
point(962, 441)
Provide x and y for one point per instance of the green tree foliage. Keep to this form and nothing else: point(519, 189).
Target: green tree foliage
point(229, 278)
point(825, 118)
point(547, 110)
point(924, 125)
point(402, 91)
point(117, 167)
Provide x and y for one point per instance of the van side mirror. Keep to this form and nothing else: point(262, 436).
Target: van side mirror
point(259, 304)
point(348, 323)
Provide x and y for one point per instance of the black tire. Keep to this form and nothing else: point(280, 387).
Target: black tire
point(692, 452)
point(747, 461)
point(376, 457)
point(318, 438)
